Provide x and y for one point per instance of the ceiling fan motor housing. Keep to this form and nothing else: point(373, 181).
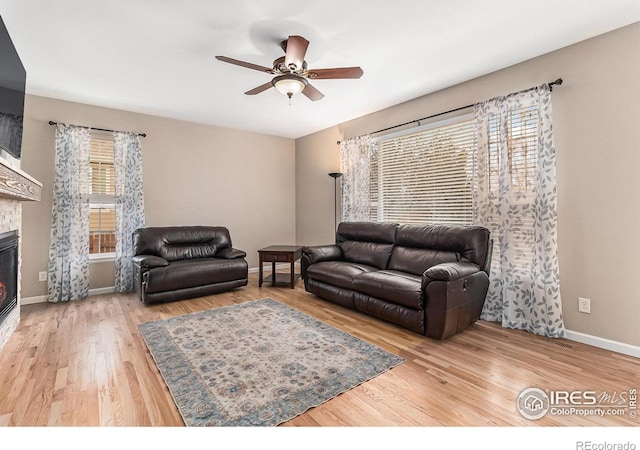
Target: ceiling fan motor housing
point(279, 66)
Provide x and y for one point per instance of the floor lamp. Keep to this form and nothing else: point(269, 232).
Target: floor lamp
point(335, 176)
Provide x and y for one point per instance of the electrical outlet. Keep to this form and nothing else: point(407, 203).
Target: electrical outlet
point(42, 276)
point(584, 305)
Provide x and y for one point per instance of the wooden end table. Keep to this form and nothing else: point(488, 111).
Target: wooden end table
point(280, 253)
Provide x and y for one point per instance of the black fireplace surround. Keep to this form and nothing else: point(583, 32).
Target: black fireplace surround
point(8, 273)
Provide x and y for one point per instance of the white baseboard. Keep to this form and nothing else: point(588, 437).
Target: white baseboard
point(33, 300)
point(606, 344)
point(43, 298)
point(104, 290)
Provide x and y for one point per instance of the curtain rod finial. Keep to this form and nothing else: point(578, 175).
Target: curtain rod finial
point(558, 82)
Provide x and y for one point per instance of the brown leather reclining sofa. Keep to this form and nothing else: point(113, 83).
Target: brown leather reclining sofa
point(430, 279)
point(174, 263)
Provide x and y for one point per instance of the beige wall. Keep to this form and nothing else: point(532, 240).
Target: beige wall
point(596, 119)
point(193, 175)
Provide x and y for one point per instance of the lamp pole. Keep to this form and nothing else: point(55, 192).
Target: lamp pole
point(335, 176)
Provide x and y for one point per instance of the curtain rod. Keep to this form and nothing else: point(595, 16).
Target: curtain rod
point(51, 122)
point(557, 82)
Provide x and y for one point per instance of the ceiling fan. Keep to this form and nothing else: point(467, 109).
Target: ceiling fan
point(291, 73)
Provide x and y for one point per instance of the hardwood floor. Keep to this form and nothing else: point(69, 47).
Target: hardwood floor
point(84, 363)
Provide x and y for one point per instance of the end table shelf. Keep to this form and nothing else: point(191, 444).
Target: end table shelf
point(279, 254)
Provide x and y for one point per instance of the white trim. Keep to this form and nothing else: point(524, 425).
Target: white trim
point(436, 122)
point(102, 257)
point(606, 344)
point(43, 298)
point(104, 290)
point(33, 300)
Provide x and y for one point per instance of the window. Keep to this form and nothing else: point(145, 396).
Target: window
point(102, 216)
point(522, 148)
point(424, 176)
point(521, 167)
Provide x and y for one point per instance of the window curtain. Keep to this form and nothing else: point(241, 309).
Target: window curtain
point(524, 292)
point(355, 165)
point(10, 130)
point(68, 269)
point(129, 204)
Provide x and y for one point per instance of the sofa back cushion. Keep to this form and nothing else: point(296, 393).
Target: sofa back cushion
point(419, 247)
point(178, 243)
point(367, 242)
point(417, 260)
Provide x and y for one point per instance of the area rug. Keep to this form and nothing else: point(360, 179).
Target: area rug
point(258, 363)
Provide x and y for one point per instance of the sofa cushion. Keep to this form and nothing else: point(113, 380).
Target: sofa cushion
point(471, 242)
point(194, 272)
point(181, 242)
point(337, 273)
point(382, 233)
point(417, 260)
point(368, 253)
point(397, 287)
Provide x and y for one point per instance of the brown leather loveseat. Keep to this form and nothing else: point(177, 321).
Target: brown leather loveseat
point(173, 263)
point(431, 279)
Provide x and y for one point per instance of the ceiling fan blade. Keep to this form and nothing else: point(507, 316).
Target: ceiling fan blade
point(312, 93)
point(261, 88)
point(296, 48)
point(342, 72)
point(244, 64)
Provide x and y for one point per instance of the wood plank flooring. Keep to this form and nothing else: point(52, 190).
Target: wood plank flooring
point(84, 363)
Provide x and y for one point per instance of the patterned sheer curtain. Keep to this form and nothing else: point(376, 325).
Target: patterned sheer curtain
point(68, 270)
point(515, 197)
point(355, 157)
point(129, 204)
point(10, 130)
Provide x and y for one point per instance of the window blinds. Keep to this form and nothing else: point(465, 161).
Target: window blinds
point(521, 168)
point(102, 215)
point(424, 177)
point(102, 187)
point(522, 150)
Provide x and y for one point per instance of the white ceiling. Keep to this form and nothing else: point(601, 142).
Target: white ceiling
point(157, 56)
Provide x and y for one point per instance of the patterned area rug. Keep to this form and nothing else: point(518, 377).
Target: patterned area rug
point(258, 363)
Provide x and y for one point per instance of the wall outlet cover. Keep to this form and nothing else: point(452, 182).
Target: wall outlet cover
point(584, 305)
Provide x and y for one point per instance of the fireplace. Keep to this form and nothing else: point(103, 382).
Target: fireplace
point(8, 273)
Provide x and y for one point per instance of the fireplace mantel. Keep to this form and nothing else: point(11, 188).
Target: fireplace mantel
point(17, 185)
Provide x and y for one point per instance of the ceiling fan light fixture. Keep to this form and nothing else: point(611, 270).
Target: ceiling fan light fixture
point(289, 84)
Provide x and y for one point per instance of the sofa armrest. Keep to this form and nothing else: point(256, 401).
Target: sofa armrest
point(141, 265)
point(448, 272)
point(454, 297)
point(149, 261)
point(322, 253)
point(318, 253)
point(230, 253)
